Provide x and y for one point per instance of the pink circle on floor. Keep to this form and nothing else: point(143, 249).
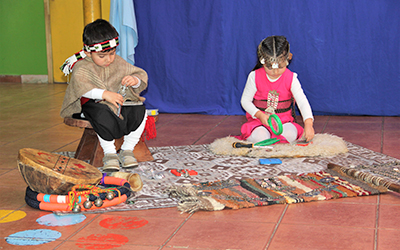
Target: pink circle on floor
point(121, 222)
point(101, 241)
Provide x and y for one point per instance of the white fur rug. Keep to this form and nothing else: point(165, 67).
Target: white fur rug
point(322, 145)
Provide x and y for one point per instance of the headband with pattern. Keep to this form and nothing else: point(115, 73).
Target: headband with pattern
point(70, 62)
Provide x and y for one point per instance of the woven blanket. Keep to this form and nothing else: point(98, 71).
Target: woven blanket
point(285, 189)
point(212, 167)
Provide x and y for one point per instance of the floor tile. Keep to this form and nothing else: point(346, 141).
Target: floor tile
point(144, 235)
point(109, 244)
point(270, 214)
point(47, 246)
point(163, 213)
point(354, 126)
point(8, 161)
point(222, 234)
point(69, 147)
point(390, 198)
point(392, 126)
point(391, 143)
point(331, 213)
point(12, 197)
point(367, 140)
point(306, 237)
point(389, 216)
point(359, 119)
point(371, 199)
point(13, 178)
point(388, 239)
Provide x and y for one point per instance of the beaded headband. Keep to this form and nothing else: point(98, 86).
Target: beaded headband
point(102, 46)
point(70, 62)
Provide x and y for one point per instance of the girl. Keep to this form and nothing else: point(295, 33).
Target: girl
point(271, 88)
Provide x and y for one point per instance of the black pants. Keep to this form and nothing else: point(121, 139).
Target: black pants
point(107, 125)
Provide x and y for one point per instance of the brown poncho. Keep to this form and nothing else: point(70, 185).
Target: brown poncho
point(87, 76)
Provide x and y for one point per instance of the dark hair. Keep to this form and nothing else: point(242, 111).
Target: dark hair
point(98, 31)
point(272, 46)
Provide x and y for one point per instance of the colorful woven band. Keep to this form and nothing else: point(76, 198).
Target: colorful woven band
point(120, 188)
point(70, 62)
point(101, 46)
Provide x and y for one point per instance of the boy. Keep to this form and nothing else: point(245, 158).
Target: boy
point(100, 83)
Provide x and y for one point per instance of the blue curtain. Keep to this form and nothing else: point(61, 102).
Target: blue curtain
point(198, 53)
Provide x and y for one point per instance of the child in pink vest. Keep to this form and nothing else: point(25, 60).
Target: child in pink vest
point(271, 88)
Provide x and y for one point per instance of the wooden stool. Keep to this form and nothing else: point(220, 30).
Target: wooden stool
point(89, 148)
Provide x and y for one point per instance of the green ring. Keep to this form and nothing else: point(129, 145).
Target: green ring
point(278, 121)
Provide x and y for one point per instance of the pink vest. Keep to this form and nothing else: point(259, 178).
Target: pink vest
point(282, 86)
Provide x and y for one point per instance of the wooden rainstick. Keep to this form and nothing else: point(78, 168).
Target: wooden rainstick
point(366, 177)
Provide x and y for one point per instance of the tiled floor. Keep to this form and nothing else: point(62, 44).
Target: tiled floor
point(29, 117)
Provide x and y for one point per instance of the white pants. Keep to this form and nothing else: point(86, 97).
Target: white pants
point(130, 140)
point(261, 133)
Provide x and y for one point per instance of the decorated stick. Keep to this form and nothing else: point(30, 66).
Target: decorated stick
point(260, 144)
point(248, 145)
point(267, 142)
point(366, 177)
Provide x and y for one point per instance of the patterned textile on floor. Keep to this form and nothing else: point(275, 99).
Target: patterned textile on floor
point(321, 145)
point(211, 167)
point(284, 189)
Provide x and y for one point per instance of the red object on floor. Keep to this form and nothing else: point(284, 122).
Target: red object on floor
point(179, 172)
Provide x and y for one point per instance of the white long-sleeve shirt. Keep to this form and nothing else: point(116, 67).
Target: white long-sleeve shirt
point(298, 94)
point(97, 94)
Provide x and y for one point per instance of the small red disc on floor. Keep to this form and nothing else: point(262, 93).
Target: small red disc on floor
point(121, 222)
point(101, 241)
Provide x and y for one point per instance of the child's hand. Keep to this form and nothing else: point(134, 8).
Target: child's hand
point(262, 117)
point(308, 129)
point(113, 98)
point(129, 81)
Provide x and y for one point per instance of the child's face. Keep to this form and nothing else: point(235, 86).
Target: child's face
point(102, 59)
point(274, 73)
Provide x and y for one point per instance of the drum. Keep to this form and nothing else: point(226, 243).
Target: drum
point(50, 173)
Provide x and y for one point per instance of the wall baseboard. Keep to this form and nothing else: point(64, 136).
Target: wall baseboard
point(24, 78)
point(10, 78)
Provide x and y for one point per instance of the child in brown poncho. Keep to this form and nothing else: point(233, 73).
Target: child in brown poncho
point(101, 82)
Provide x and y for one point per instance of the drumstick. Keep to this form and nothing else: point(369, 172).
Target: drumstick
point(366, 177)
